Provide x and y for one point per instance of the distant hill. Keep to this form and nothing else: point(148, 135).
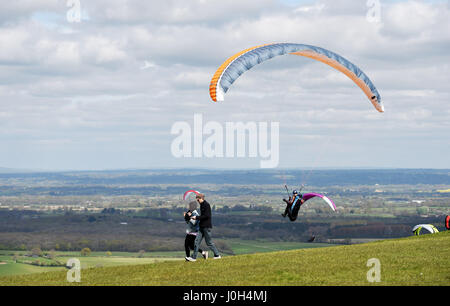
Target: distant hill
point(12, 170)
point(239, 177)
point(7, 170)
point(414, 261)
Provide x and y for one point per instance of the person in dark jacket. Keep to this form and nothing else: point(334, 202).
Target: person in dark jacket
point(293, 205)
point(205, 228)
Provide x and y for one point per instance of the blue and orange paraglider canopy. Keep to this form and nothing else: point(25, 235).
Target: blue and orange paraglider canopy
point(245, 60)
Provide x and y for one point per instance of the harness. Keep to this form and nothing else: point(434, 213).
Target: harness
point(295, 202)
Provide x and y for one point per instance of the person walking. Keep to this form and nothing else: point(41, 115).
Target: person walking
point(192, 230)
point(205, 225)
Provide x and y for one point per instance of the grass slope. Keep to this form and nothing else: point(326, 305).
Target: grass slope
point(100, 259)
point(241, 247)
point(10, 268)
point(423, 260)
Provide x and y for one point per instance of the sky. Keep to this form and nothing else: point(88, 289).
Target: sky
point(104, 92)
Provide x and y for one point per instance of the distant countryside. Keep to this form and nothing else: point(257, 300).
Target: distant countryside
point(114, 218)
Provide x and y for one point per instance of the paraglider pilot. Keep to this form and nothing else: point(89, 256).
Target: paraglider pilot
point(293, 205)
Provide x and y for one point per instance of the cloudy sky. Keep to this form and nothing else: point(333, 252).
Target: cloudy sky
point(103, 93)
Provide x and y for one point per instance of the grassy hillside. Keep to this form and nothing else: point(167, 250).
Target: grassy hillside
point(421, 260)
point(8, 266)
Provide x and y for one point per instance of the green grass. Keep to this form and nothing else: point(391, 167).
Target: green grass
point(240, 247)
point(100, 259)
point(11, 268)
point(423, 260)
point(165, 254)
point(91, 262)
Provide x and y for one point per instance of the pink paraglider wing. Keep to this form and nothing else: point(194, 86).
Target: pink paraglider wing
point(188, 193)
point(311, 195)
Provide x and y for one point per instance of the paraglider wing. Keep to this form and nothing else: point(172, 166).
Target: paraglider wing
point(242, 61)
point(188, 193)
point(447, 222)
point(429, 227)
point(308, 196)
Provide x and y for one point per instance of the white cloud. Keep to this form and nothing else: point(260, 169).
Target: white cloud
point(126, 73)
